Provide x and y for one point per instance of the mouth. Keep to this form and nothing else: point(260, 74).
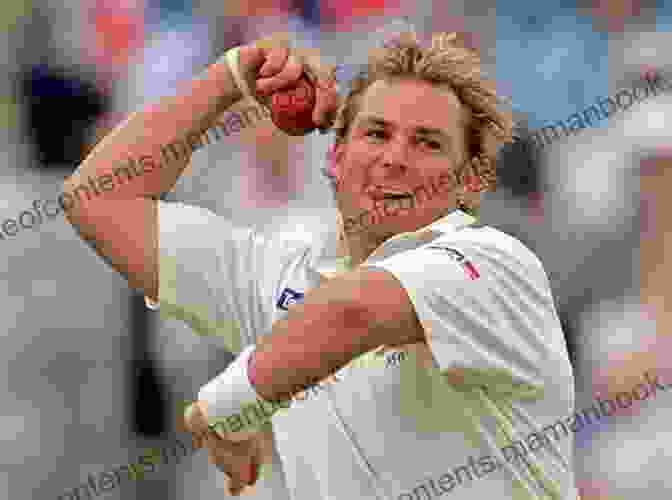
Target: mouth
point(392, 195)
point(396, 196)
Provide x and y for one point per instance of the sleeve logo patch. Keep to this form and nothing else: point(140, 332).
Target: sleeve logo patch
point(469, 268)
point(288, 298)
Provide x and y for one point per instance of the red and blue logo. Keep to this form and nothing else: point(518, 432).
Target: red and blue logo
point(470, 270)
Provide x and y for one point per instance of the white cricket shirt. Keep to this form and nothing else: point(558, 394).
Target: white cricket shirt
point(482, 411)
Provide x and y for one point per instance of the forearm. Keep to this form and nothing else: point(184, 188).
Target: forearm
point(303, 351)
point(656, 238)
point(159, 139)
point(338, 322)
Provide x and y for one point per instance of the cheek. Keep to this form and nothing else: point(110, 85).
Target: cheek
point(353, 170)
point(440, 173)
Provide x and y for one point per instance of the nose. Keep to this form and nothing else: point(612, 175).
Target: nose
point(395, 157)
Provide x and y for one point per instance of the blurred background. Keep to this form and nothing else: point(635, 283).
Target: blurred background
point(92, 378)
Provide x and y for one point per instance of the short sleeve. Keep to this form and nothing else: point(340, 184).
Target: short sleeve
point(207, 272)
point(486, 309)
point(495, 365)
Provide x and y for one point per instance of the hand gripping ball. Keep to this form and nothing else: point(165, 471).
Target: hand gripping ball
point(292, 108)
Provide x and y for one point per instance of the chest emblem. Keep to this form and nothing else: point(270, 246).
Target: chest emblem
point(289, 297)
point(469, 268)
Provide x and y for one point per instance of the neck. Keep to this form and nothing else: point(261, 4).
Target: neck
point(359, 246)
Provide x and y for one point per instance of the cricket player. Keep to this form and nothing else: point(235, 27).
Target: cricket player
point(426, 360)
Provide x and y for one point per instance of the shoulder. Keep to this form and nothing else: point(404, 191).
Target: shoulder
point(487, 244)
point(201, 227)
point(189, 220)
point(471, 260)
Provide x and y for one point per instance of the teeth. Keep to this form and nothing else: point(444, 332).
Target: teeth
point(393, 192)
point(396, 195)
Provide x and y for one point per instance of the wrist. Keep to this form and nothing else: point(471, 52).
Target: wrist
point(231, 403)
point(236, 72)
point(223, 74)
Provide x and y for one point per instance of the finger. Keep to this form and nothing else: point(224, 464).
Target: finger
point(291, 72)
point(276, 58)
point(222, 454)
point(197, 441)
point(252, 58)
point(234, 486)
point(221, 468)
point(217, 448)
point(316, 69)
point(181, 424)
point(326, 103)
point(189, 418)
point(215, 454)
point(195, 419)
point(241, 481)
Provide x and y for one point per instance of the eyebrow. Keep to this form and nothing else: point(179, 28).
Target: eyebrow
point(375, 120)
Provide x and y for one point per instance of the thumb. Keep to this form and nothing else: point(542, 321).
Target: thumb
point(251, 59)
point(253, 56)
point(195, 419)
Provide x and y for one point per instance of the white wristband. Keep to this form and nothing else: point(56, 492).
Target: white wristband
point(230, 391)
point(232, 57)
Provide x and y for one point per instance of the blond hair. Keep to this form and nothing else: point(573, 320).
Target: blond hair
point(448, 62)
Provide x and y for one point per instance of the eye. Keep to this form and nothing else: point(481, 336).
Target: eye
point(376, 134)
point(431, 143)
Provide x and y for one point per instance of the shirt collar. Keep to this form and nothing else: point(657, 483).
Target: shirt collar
point(454, 221)
point(331, 266)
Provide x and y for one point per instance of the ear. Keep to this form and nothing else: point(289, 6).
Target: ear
point(335, 157)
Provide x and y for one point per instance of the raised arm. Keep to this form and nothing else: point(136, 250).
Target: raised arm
point(115, 190)
point(113, 194)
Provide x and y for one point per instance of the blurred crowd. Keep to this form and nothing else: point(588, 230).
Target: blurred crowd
point(76, 341)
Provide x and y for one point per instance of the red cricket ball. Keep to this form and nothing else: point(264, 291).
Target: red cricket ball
point(292, 108)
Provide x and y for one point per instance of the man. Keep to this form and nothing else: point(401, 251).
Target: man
point(484, 363)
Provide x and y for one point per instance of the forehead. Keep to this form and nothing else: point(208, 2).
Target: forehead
point(412, 104)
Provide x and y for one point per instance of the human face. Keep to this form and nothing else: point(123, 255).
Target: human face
point(408, 137)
